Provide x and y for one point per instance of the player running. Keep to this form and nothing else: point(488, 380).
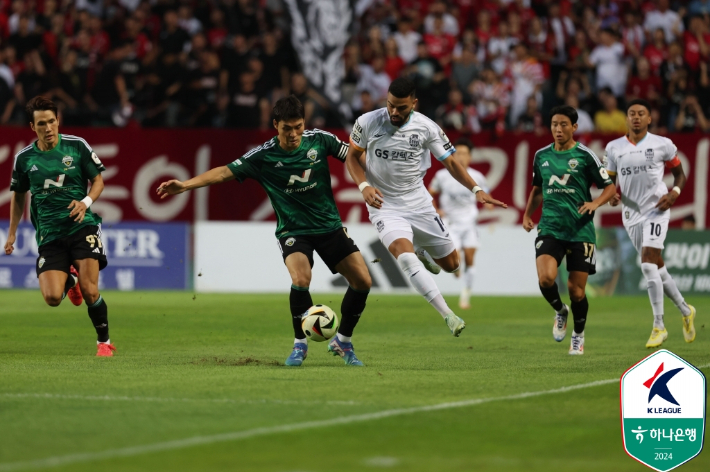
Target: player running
point(56, 169)
point(638, 160)
point(398, 141)
point(459, 210)
point(563, 173)
point(293, 169)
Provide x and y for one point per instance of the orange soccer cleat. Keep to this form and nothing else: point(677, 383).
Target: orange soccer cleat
point(105, 350)
point(74, 293)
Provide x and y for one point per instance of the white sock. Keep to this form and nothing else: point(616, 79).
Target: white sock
point(300, 341)
point(672, 292)
point(108, 341)
point(468, 278)
point(423, 282)
point(655, 292)
point(344, 339)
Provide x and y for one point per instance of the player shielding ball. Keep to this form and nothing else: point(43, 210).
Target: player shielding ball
point(459, 210)
point(398, 142)
point(56, 170)
point(293, 169)
point(638, 160)
point(563, 173)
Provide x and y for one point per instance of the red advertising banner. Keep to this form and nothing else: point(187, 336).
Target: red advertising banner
point(137, 160)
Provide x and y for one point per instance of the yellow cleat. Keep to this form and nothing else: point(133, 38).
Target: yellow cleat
point(657, 337)
point(688, 326)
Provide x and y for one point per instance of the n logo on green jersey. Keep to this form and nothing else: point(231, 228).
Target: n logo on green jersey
point(58, 183)
point(562, 181)
point(304, 178)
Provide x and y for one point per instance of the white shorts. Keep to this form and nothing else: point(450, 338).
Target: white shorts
point(464, 235)
point(650, 233)
point(423, 228)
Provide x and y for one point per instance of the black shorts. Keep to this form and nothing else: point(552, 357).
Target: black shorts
point(332, 247)
point(581, 257)
point(61, 253)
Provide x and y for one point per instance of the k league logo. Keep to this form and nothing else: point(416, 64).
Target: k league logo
point(663, 411)
point(649, 154)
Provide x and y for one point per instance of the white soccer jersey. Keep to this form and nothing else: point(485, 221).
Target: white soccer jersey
point(457, 202)
point(398, 157)
point(640, 170)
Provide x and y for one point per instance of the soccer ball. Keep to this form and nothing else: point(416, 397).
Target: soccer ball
point(320, 323)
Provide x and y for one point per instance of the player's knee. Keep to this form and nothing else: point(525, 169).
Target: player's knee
point(90, 293)
point(546, 280)
point(362, 283)
point(450, 263)
point(301, 279)
point(52, 300)
point(576, 293)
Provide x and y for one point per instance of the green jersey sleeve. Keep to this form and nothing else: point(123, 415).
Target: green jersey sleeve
point(20, 181)
point(91, 165)
point(597, 172)
point(537, 178)
point(333, 146)
point(246, 167)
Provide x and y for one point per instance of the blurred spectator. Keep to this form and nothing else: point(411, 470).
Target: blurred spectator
point(632, 35)
point(24, 39)
point(466, 69)
point(562, 31)
point(484, 27)
point(699, 7)
point(247, 107)
point(656, 51)
point(375, 80)
point(187, 20)
point(454, 113)
point(666, 19)
point(657, 126)
point(531, 119)
point(440, 44)
point(173, 38)
point(500, 47)
point(691, 117)
point(437, 11)
point(643, 84)
point(33, 80)
point(527, 77)
point(394, 64)
point(608, 13)
point(491, 98)
point(366, 104)
point(541, 43)
point(696, 42)
point(217, 33)
point(276, 73)
point(688, 223)
point(673, 68)
point(585, 124)
point(609, 119)
point(429, 79)
point(608, 58)
point(407, 40)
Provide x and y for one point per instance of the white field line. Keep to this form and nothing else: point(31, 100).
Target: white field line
point(287, 428)
point(111, 398)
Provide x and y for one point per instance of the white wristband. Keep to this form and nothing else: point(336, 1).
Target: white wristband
point(476, 189)
point(676, 189)
point(87, 201)
point(363, 185)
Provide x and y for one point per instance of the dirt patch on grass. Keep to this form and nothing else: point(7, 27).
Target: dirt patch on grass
point(242, 361)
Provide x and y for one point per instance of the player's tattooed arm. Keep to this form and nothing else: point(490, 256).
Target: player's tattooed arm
point(211, 177)
point(78, 208)
point(370, 194)
point(534, 202)
point(462, 176)
point(17, 206)
point(589, 207)
point(679, 179)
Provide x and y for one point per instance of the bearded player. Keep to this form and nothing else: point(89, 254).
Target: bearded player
point(639, 160)
point(56, 170)
point(563, 174)
point(293, 169)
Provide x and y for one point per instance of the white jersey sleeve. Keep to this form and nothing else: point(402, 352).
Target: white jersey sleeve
point(358, 137)
point(438, 143)
point(671, 150)
point(609, 159)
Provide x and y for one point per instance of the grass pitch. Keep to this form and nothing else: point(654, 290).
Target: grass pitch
point(198, 385)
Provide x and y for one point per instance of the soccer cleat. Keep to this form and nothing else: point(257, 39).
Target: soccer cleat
point(688, 326)
point(298, 355)
point(455, 324)
point(105, 350)
point(657, 337)
point(559, 328)
point(464, 299)
point(429, 265)
point(576, 346)
point(344, 350)
point(74, 293)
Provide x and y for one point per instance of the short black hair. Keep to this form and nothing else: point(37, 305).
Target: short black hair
point(288, 108)
point(565, 110)
point(639, 101)
point(39, 103)
point(402, 88)
point(464, 141)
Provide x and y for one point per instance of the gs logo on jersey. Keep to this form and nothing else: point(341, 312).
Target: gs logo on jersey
point(312, 154)
point(67, 160)
point(649, 154)
point(414, 141)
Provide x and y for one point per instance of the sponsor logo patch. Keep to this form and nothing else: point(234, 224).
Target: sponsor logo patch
point(573, 163)
point(649, 154)
point(67, 160)
point(290, 242)
point(380, 226)
point(41, 262)
point(312, 154)
point(414, 141)
point(537, 246)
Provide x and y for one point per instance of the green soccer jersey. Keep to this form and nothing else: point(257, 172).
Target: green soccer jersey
point(565, 179)
point(55, 178)
point(297, 182)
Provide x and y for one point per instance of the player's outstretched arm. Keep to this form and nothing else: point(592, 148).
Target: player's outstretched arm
point(370, 194)
point(616, 199)
point(211, 177)
point(78, 208)
point(608, 193)
point(679, 179)
point(534, 201)
point(17, 205)
point(460, 174)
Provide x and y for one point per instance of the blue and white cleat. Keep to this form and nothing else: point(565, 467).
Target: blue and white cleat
point(559, 328)
point(344, 350)
point(455, 324)
point(298, 355)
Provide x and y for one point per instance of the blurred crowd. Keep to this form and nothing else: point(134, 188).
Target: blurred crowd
point(478, 64)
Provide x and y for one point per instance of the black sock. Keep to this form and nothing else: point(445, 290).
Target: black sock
point(352, 307)
point(68, 284)
point(579, 313)
point(98, 312)
point(300, 300)
point(552, 295)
